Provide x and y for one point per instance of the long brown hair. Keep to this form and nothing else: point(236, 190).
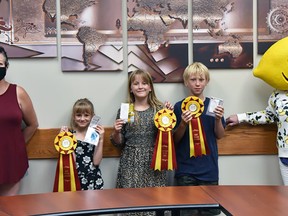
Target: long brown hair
point(152, 99)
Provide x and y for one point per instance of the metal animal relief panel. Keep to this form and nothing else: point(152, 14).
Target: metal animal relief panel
point(158, 38)
point(91, 35)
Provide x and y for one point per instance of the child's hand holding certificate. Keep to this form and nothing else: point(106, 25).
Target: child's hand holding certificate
point(92, 136)
point(127, 112)
point(214, 102)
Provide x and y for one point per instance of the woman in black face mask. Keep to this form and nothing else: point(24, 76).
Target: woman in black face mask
point(15, 107)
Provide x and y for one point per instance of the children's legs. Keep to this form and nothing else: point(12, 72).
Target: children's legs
point(284, 172)
point(9, 189)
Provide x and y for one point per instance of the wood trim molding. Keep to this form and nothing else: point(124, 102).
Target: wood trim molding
point(239, 140)
point(249, 140)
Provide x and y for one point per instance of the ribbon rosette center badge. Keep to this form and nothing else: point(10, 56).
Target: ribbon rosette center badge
point(165, 120)
point(197, 137)
point(194, 104)
point(66, 177)
point(164, 153)
point(65, 143)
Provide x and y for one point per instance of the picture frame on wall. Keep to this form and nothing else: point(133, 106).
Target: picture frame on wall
point(272, 23)
point(27, 30)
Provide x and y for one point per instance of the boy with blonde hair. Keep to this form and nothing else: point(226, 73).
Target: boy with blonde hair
point(197, 131)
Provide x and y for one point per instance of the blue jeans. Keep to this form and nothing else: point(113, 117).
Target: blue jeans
point(191, 181)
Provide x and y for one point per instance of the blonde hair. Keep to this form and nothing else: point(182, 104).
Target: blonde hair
point(152, 99)
point(82, 105)
point(197, 68)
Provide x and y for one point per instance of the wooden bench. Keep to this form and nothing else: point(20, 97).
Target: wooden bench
point(239, 140)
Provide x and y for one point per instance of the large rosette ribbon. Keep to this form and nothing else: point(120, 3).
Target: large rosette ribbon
point(164, 154)
point(198, 143)
point(66, 177)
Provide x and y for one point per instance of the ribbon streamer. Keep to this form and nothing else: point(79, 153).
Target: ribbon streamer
point(66, 177)
point(164, 153)
point(197, 137)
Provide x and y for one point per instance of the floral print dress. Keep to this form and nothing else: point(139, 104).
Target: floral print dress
point(89, 175)
point(275, 112)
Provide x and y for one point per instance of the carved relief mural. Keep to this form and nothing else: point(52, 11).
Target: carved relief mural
point(272, 22)
point(158, 38)
point(92, 39)
point(91, 35)
point(25, 25)
point(223, 33)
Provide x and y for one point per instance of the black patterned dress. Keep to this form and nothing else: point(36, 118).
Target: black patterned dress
point(90, 176)
point(138, 146)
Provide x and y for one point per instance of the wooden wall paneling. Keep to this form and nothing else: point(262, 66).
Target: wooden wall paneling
point(243, 139)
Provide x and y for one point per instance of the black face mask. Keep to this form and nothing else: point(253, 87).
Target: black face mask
point(2, 72)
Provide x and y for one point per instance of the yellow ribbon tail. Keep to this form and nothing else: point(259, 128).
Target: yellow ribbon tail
point(192, 150)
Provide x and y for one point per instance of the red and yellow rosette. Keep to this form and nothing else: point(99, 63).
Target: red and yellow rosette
point(66, 177)
point(164, 154)
point(198, 143)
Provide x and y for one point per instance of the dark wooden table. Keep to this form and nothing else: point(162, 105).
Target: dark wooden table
point(107, 201)
point(251, 200)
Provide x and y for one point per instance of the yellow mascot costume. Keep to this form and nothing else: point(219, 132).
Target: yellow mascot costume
point(273, 69)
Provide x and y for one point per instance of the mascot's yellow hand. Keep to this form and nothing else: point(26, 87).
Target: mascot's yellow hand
point(273, 66)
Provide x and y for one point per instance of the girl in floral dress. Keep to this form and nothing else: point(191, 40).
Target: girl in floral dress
point(88, 156)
